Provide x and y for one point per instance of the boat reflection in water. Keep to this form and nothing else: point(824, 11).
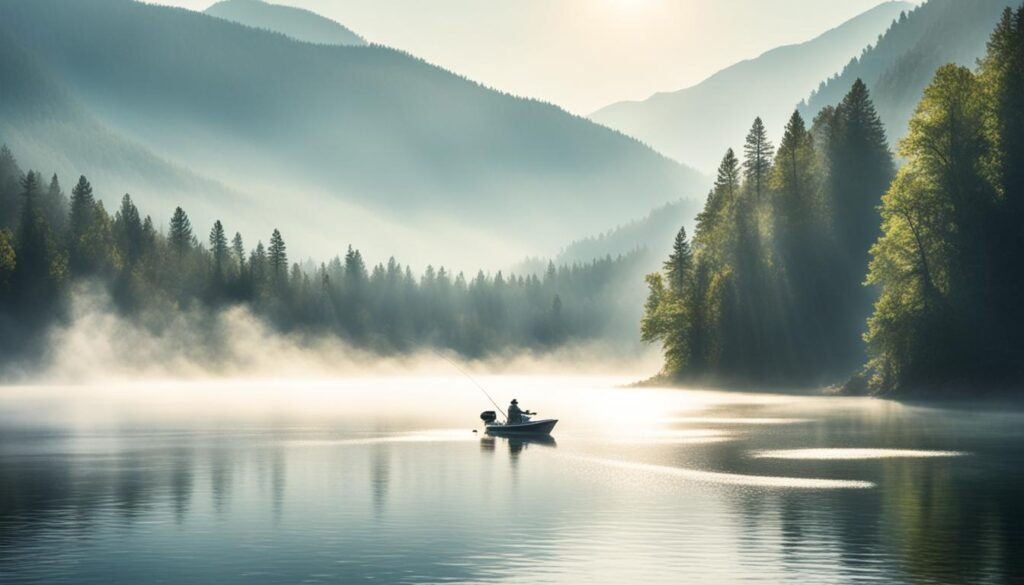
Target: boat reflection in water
point(516, 444)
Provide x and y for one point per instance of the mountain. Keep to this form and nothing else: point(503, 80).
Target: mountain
point(299, 24)
point(339, 144)
point(654, 232)
point(49, 131)
point(903, 62)
point(698, 124)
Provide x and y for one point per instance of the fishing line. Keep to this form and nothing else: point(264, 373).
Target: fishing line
point(471, 379)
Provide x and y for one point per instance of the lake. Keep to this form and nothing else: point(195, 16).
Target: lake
point(383, 480)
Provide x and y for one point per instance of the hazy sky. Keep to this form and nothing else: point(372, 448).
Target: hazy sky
point(583, 54)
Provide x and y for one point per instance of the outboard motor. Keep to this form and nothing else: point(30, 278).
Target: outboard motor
point(488, 416)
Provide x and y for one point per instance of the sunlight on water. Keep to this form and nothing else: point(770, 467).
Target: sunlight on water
point(852, 454)
point(722, 420)
point(733, 478)
point(383, 479)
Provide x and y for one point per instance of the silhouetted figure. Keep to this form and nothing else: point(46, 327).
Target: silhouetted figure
point(515, 414)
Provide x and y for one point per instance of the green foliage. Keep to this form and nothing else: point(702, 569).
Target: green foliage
point(769, 291)
point(949, 260)
point(383, 308)
point(219, 250)
point(181, 238)
point(758, 152)
point(10, 179)
point(277, 259)
point(900, 65)
point(8, 260)
point(40, 267)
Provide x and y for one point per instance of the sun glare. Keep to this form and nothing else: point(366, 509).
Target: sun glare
point(631, 5)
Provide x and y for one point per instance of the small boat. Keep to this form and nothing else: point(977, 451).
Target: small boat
point(525, 427)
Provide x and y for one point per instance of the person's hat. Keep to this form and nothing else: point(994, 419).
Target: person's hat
point(514, 401)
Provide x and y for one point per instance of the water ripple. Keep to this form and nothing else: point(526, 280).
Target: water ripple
point(851, 454)
point(733, 478)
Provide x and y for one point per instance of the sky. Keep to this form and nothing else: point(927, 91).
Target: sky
point(582, 54)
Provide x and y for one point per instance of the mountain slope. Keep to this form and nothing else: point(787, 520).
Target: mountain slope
point(299, 24)
point(654, 232)
point(903, 62)
point(368, 126)
point(697, 124)
point(49, 131)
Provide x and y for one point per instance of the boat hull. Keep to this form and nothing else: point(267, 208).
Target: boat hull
point(534, 427)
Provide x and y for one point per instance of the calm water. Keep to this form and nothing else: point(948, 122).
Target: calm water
point(384, 481)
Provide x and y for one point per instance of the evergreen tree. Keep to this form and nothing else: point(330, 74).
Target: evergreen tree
point(794, 175)
point(860, 170)
point(1000, 73)
point(278, 259)
point(180, 237)
point(757, 163)
point(128, 232)
point(10, 189)
point(238, 250)
point(55, 207)
point(258, 266)
point(81, 219)
point(219, 250)
point(679, 266)
point(8, 260)
point(38, 267)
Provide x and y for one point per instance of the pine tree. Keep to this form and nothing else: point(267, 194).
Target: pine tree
point(757, 162)
point(38, 267)
point(55, 207)
point(793, 174)
point(238, 249)
point(219, 250)
point(8, 260)
point(258, 266)
point(80, 220)
point(1002, 70)
point(278, 259)
point(180, 238)
point(128, 232)
point(10, 197)
point(1001, 73)
point(355, 269)
point(679, 266)
point(860, 171)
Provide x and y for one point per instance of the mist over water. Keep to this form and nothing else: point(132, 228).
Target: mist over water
point(98, 344)
point(382, 478)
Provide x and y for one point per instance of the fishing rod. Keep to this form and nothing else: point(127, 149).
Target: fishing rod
point(471, 379)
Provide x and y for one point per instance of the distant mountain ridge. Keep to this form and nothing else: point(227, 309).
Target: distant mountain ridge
point(654, 232)
point(299, 24)
point(367, 142)
point(902, 63)
point(697, 124)
point(51, 132)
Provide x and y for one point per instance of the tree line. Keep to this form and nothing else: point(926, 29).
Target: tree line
point(813, 259)
point(49, 241)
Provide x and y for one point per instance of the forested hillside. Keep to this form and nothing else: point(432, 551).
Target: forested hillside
point(38, 112)
point(49, 243)
point(695, 125)
point(400, 142)
point(951, 261)
point(769, 289)
point(768, 292)
point(902, 63)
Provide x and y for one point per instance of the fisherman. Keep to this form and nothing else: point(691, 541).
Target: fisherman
point(515, 415)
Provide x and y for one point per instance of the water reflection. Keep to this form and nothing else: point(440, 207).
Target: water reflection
point(851, 454)
point(827, 492)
